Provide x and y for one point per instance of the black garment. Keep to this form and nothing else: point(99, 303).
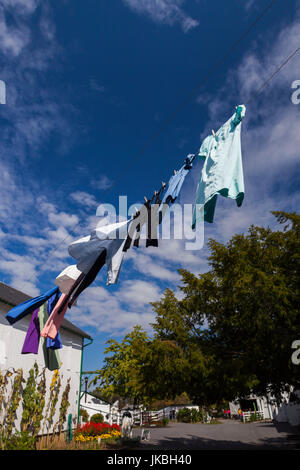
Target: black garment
point(144, 219)
point(147, 215)
point(153, 220)
point(84, 280)
point(90, 276)
point(134, 226)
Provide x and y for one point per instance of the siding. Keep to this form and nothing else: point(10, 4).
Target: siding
point(11, 341)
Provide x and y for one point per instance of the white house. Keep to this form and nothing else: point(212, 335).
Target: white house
point(11, 341)
point(287, 411)
point(94, 405)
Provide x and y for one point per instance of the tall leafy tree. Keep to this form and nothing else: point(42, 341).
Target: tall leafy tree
point(230, 334)
point(250, 300)
point(120, 374)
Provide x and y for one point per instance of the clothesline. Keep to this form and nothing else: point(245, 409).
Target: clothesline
point(222, 174)
point(107, 244)
point(251, 97)
point(170, 119)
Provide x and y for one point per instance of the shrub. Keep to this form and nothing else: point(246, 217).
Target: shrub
point(254, 417)
point(97, 418)
point(84, 414)
point(187, 415)
point(184, 415)
point(165, 421)
point(20, 441)
point(195, 416)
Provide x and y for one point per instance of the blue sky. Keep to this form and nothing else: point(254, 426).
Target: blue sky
point(88, 84)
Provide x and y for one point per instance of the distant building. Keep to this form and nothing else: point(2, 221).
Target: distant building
point(286, 411)
point(94, 405)
point(11, 342)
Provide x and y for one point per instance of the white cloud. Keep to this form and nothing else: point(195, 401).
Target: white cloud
point(152, 267)
point(12, 39)
point(164, 11)
point(15, 37)
point(113, 312)
point(22, 271)
point(26, 7)
point(138, 293)
point(102, 182)
point(84, 198)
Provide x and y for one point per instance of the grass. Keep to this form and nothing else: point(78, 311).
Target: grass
point(59, 442)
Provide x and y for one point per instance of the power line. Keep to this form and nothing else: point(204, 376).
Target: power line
point(179, 108)
point(272, 76)
point(247, 102)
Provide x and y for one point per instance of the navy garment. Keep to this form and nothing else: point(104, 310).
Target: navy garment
point(23, 309)
point(55, 343)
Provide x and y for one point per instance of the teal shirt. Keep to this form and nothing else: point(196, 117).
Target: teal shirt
point(222, 172)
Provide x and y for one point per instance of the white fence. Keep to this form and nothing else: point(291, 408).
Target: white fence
point(259, 415)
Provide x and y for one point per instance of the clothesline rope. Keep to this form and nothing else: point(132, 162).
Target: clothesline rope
point(272, 76)
point(167, 122)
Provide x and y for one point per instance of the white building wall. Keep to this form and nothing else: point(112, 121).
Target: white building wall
point(94, 405)
point(287, 411)
point(11, 342)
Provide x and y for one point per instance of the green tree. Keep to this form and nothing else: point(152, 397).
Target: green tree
point(242, 315)
point(121, 373)
point(229, 335)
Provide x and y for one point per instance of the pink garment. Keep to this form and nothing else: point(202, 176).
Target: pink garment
point(54, 321)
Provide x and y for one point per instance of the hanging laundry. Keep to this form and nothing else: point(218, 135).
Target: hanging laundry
point(23, 309)
point(140, 219)
point(147, 215)
point(54, 322)
point(114, 266)
point(89, 277)
point(176, 181)
point(109, 237)
point(31, 343)
point(51, 356)
point(65, 280)
point(222, 171)
point(55, 343)
point(153, 219)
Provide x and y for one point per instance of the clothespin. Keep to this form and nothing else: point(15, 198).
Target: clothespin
point(175, 172)
point(213, 132)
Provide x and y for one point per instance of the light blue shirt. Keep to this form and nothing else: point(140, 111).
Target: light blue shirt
point(222, 171)
point(176, 181)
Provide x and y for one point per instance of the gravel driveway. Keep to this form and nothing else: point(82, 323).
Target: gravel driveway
point(229, 434)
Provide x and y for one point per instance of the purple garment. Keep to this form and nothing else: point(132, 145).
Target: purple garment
point(31, 343)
